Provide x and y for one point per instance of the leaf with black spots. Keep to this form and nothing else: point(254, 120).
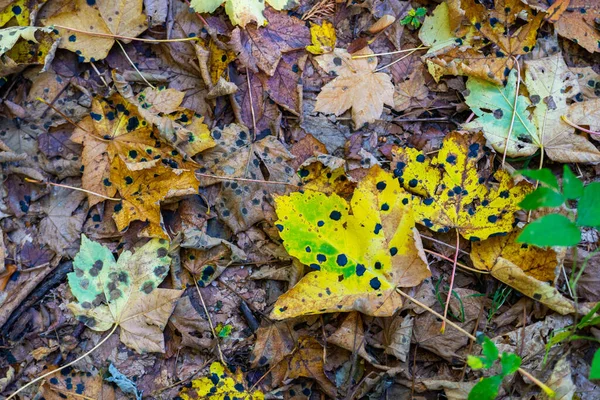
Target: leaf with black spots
point(451, 193)
point(241, 203)
point(76, 385)
point(360, 250)
point(23, 46)
point(108, 18)
point(124, 292)
point(219, 384)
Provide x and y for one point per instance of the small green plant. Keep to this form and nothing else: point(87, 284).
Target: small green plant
point(561, 230)
point(223, 331)
point(414, 18)
point(487, 388)
point(558, 229)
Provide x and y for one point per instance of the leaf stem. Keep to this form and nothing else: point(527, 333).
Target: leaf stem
point(539, 383)
point(455, 261)
point(390, 52)
point(87, 353)
point(230, 178)
point(125, 37)
point(212, 327)
point(133, 65)
point(458, 264)
point(69, 120)
point(574, 125)
point(72, 188)
point(514, 112)
point(400, 59)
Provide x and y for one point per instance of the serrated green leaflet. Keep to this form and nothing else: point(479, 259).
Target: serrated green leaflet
point(510, 363)
point(551, 230)
point(542, 197)
point(124, 292)
point(543, 175)
point(572, 186)
point(588, 213)
point(486, 389)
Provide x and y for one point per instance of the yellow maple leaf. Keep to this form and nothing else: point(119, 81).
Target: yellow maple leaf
point(452, 194)
point(242, 12)
point(356, 86)
point(529, 269)
point(360, 250)
point(220, 384)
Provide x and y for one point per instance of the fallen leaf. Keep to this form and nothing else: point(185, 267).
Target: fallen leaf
point(20, 10)
point(351, 336)
point(451, 193)
point(219, 384)
point(510, 24)
point(528, 269)
point(194, 328)
point(411, 92)
point(285, 86)
point(578, 23)
point(77, 385)
point(261, 48)
point(124, 292)
point(307, 362)
point(561, 381)
point(398, 337)
point(274, 342)
point(550, 84)
point(494, 105)
point(242, 203)
point(356, 86)
point(123, 18)
point(326, 174)
point(358, 259)
point(256, 109)
point(24, 46)
point(243, 12)
point(323, 38)
point(61, 228)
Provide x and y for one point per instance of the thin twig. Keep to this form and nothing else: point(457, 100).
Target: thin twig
point(458, 264)
point(400, 59)
point(514, 112)
point(574, 125)
point(231, 178)
point(87, 353)
point(539, 383)
point(134, 66)
point(108, 35)
point(71, 187)
point(449, 297)
point(99, 74)
point(390, 52)
point(69, 120)
point(212, 327)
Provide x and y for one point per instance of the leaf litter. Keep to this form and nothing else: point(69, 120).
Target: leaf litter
point(278, 199)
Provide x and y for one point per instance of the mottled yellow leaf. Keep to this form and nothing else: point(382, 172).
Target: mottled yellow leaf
point(451, 193)
point(360, 251)
point(220, 384)
point(323, 38)
point(528, 269)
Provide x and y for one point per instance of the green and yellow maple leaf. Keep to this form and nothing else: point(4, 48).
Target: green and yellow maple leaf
point(242, 12)
point(220, 384)
point(360, 251)
point(450, 192)
point(124, 292)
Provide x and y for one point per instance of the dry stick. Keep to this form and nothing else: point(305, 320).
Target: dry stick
point(532, 378)
point(67, 365)
point(514, 112)
point(449, 297)
point(71, 187)
point(400, 59)
point(442, 243)
point(126, 37)
point(99, 74)
point(457, 264)
point(212, 327)
point(69, 120)
point(390, 52)
point(230, 178)
point(133, 65)
point(574, 125)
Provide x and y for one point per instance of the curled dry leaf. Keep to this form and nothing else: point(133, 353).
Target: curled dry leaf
point(528, 269)
point(357, 86)
point(360, 250)
point(124, 292)
point(274, 342)
point(323, 38)
point(451, 193)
